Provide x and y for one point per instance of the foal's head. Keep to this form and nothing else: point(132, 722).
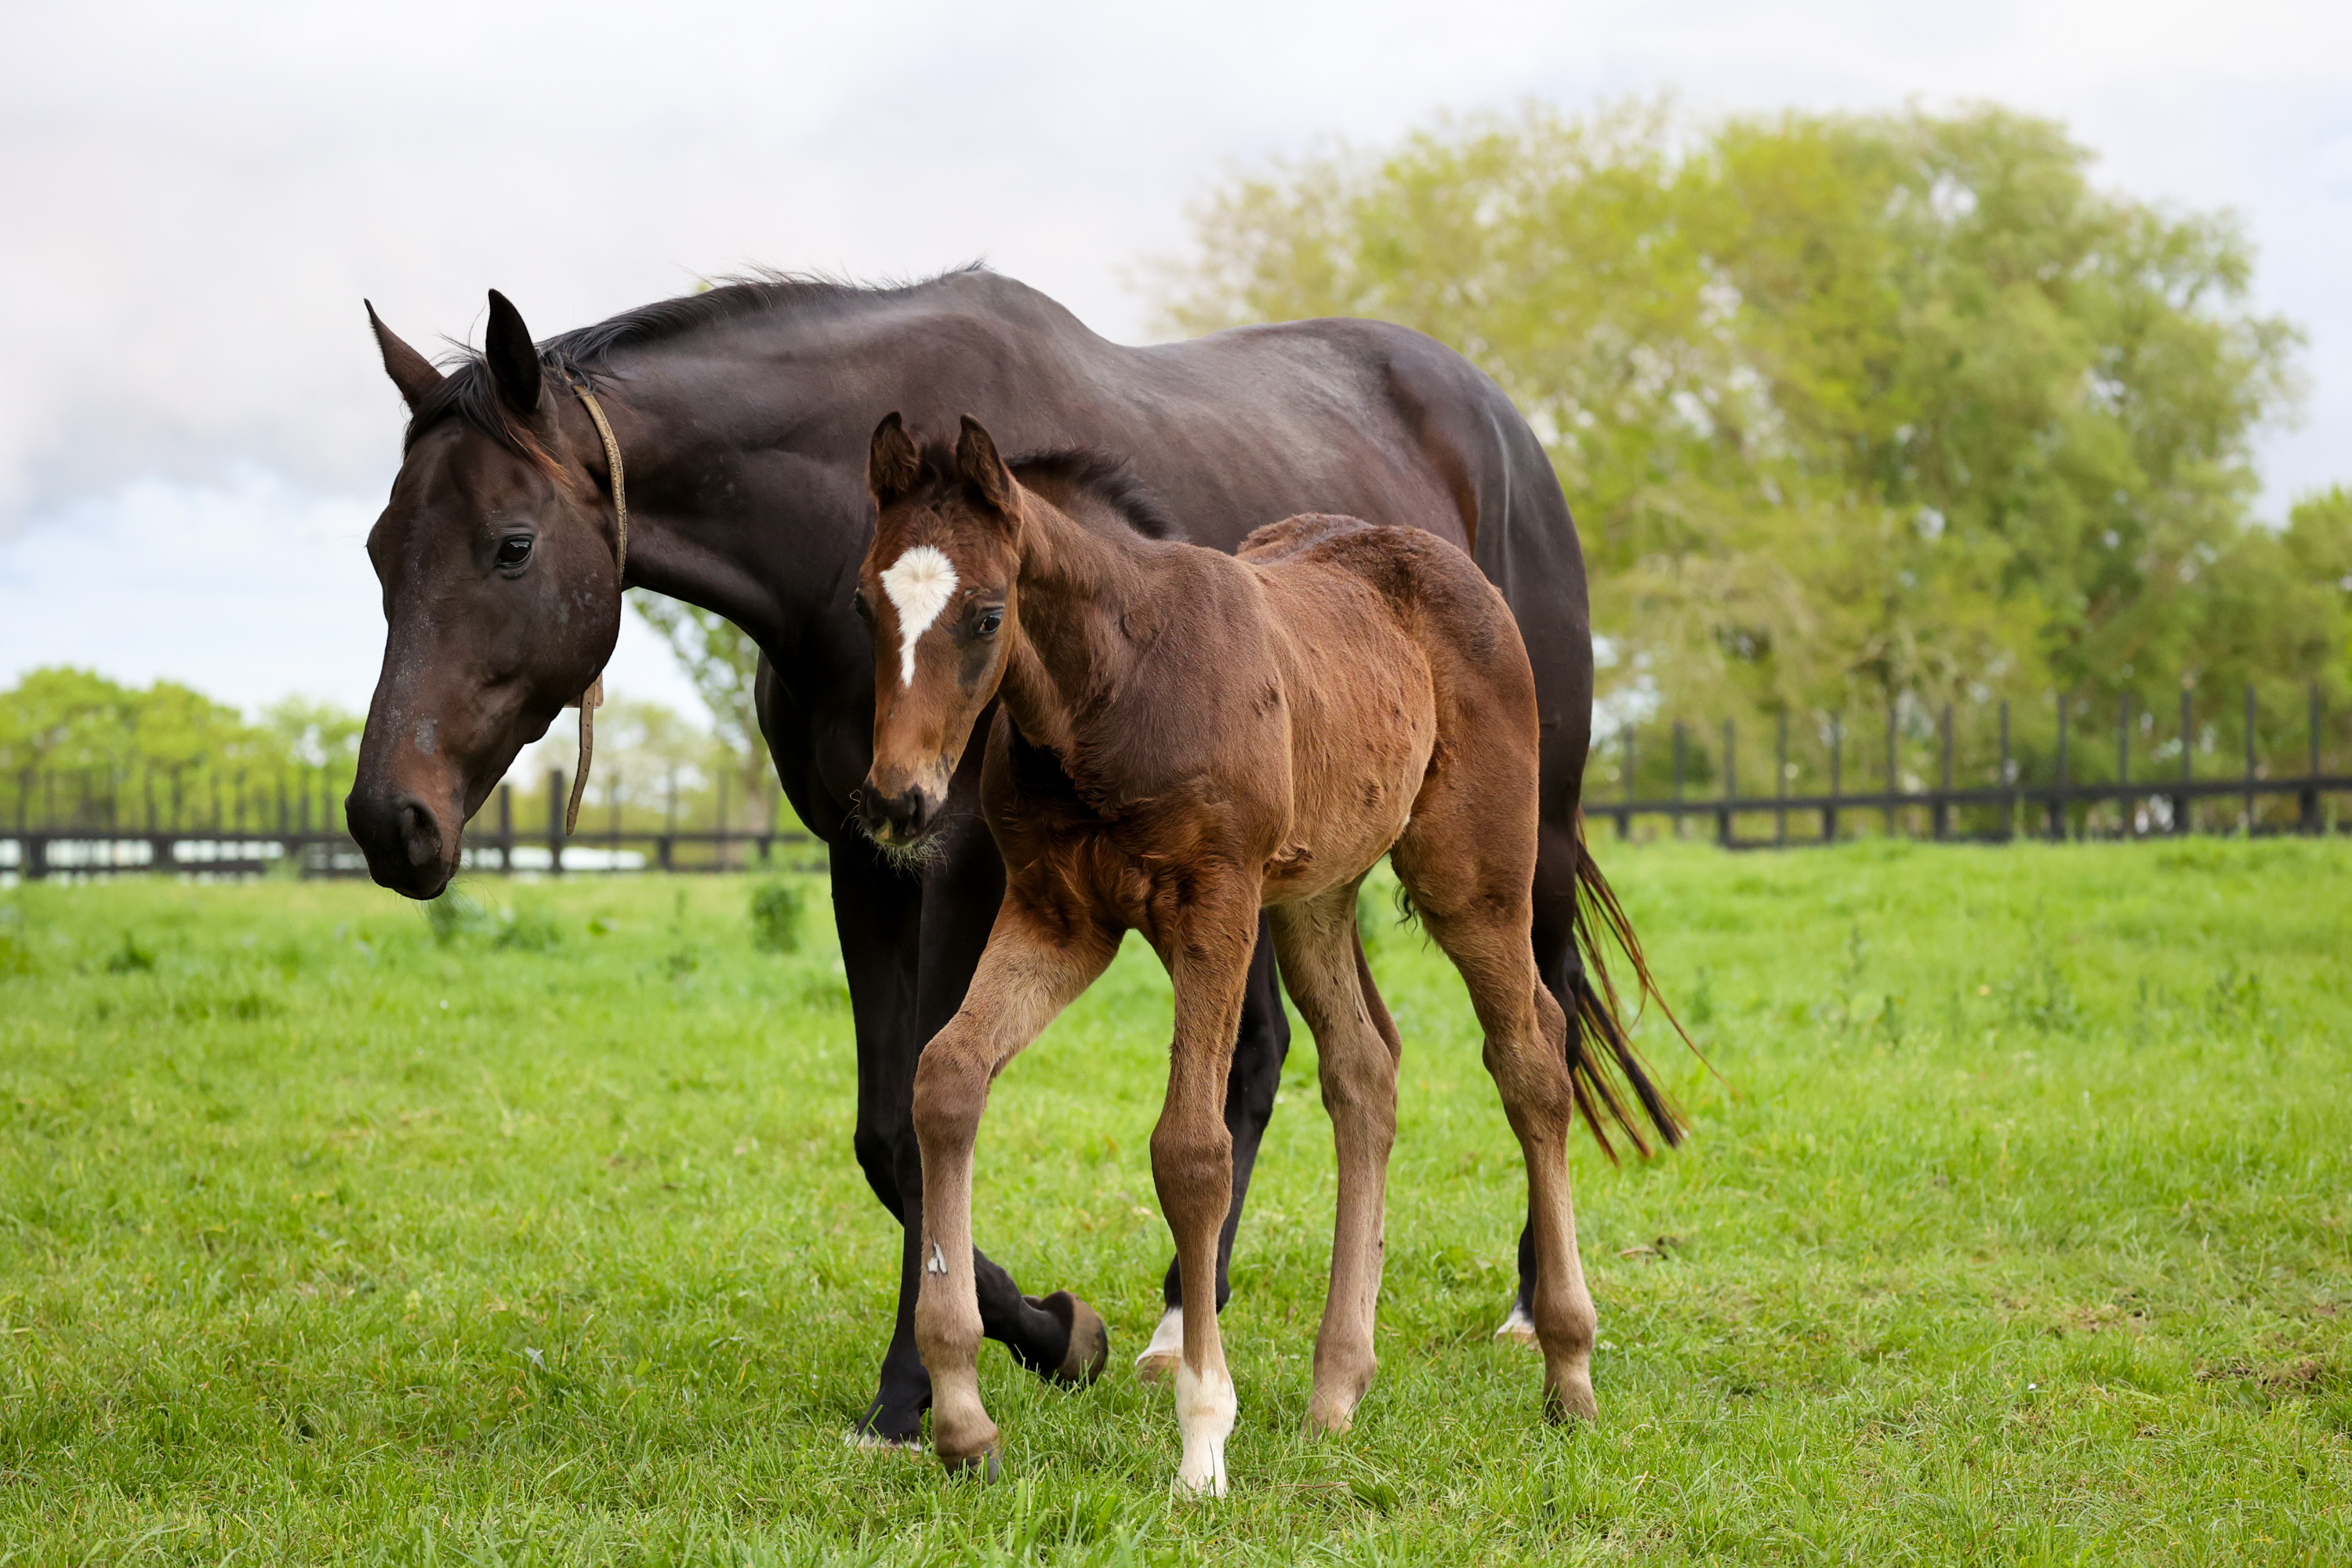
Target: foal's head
point(938, 594)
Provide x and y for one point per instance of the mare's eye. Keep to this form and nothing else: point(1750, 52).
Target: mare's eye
point(514, 550)
point(985, 627)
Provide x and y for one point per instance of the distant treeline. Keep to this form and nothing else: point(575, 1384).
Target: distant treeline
point(1853, 411)
point(78, 750)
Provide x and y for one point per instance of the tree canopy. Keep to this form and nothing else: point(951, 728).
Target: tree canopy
point(1848, 407)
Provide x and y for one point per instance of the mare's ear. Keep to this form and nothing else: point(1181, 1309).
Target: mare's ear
point(512, 357)
point(892, 464)
point(410, 370)
point(983, 469)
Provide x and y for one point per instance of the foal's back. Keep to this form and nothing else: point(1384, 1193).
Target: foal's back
point(1392, 646)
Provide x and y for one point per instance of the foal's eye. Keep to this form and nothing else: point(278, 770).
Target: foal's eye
point(985, 627)
point(514, 550)
point(864, 607)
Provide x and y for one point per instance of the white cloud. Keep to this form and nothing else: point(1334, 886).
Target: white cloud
point(198, 197)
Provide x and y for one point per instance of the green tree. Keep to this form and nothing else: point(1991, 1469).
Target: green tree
point(1895, 407)
point(75, 743)
point(722, 663)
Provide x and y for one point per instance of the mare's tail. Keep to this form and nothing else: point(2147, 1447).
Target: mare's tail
point(1602, 1062)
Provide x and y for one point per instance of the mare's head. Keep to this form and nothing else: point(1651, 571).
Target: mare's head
point(938, 591)
point(501, 596)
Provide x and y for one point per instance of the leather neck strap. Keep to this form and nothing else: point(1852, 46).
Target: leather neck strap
point(594, 698)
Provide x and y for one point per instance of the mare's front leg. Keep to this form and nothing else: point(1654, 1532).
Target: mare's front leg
point(877, 913)
point(1032, 969)
point(1259, 1050)
point(1206, 947)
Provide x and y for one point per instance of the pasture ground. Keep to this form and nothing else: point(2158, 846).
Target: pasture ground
point(2015, 1231)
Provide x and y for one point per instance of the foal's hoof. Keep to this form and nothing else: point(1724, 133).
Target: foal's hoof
point(1159, 1359)
point(1089, 1350)
point(1518, 1329)
point(1570, 1404)
point(986, 1465)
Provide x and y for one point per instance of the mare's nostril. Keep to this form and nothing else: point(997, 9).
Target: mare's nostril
point(420, 834)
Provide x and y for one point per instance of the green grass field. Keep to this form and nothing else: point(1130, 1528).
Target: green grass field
point(2015, 1230)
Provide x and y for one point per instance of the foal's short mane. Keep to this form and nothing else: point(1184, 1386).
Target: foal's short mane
point(466, 393)
point(1102, 477)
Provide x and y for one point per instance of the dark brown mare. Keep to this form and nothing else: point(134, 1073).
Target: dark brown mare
point(743, 416)
point(1182, 740)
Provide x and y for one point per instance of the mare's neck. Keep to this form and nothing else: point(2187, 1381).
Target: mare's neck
point(1073, 647)
point(698, 533)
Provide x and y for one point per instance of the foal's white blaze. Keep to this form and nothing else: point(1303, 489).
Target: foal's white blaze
point(1205, 1409)
point(919, 583)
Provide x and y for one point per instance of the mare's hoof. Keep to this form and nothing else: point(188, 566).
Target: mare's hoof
point(1089, 1351)
point(1518, 1329)
point(1158, 1360)
point(874, 1442)
point(986, 1465)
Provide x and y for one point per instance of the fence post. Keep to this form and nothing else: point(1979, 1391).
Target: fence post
point(1679, 750)
point(506, 827)
point(1837, 777)
point(2311, 795)
point(2058, 798)
point(2250, 759)
point(1894, 771)
point(1730, 783)
point(1780, 781)
point(2123, 764)
point(555, 821)
point(2180, 803)
point(1625, 816)
point(1943, 811)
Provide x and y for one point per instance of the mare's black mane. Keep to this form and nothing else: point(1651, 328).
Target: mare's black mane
point(466, 392)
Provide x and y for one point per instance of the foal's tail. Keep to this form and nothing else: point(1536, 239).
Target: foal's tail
point(1601, 1048)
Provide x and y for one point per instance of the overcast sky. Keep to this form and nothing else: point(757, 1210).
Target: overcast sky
point(194, 434)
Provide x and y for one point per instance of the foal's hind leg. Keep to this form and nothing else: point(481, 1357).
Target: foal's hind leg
point(1206, 947)
point(1469, 875)
point(1317, 941)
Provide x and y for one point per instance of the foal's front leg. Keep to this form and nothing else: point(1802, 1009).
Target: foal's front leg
point(1026, 976)
point(1208, 957)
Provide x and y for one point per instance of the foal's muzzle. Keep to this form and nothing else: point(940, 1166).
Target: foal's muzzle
point(898, 820)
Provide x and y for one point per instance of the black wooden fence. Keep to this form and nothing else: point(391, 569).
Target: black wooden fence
point(81, 826)
point(2167, 786)
point(2216, 771)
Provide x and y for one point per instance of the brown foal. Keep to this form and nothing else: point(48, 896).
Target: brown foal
point(1183, 738)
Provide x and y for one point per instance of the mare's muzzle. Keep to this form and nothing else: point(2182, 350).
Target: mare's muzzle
point(402, 837)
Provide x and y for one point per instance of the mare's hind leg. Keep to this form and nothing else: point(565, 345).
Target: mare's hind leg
point(1467, 860)
point(1358, 1060)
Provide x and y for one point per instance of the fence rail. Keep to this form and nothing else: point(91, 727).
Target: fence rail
point(120, 825)
point(2169, 800)
point(96, 840)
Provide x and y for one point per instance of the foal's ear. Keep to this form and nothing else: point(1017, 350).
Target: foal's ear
point(892, 465)
point(512, 357)
point(977, 461)
point(410, 370)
